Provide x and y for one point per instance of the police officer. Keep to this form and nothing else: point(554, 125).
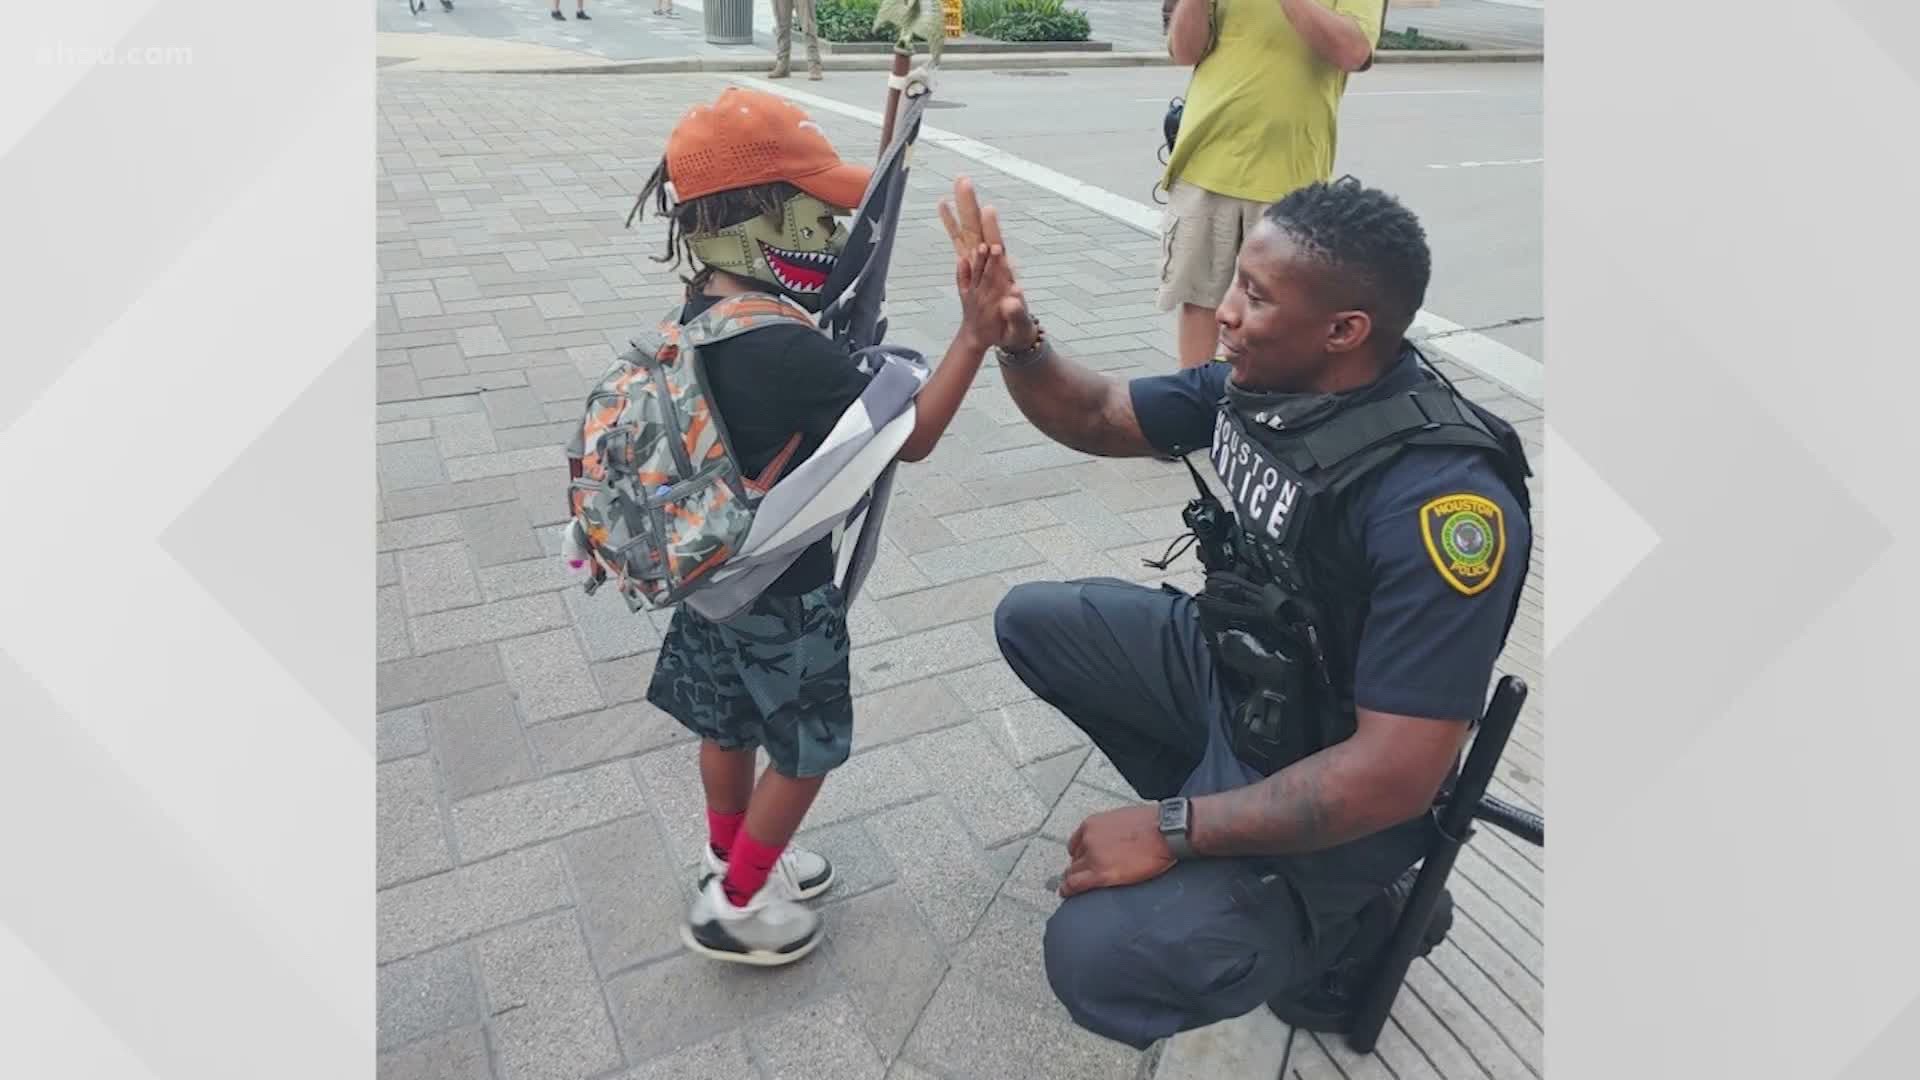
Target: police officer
point(1295, 720)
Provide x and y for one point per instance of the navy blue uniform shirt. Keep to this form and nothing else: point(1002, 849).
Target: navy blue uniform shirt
point(1428, 646)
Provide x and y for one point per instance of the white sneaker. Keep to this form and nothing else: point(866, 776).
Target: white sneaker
point(799, 875)
point(768, 931)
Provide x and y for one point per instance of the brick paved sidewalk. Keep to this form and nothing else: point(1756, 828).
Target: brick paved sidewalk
point(539, 824)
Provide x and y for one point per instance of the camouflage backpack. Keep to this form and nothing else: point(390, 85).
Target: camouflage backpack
point(658, 498)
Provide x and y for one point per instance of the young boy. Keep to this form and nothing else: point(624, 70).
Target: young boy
point(751, 190)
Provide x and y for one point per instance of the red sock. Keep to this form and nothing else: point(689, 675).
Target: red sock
point(721, 829)
point(747, 870)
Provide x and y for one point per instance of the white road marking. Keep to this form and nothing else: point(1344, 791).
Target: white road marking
point(1500, 363)
point(1488, 164)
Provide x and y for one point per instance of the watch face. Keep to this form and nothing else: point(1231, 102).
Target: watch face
point(1173, 816)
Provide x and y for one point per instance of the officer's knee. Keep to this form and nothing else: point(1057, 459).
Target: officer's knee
point(1025, 608)
point(1088, 973)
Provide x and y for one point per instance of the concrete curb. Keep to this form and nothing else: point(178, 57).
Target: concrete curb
point(981, 62)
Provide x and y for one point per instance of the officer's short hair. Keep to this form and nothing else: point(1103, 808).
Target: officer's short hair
point(1367, 236)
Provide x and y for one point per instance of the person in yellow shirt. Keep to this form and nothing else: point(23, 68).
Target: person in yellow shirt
point(1260, 121)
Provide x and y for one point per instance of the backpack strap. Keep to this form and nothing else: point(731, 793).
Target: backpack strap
point(729, 318)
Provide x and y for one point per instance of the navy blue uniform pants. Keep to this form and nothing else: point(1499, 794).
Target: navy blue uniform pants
point(1210, 939)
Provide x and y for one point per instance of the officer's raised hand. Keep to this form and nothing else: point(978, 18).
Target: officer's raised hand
point(1116, 847)
point(993, 309)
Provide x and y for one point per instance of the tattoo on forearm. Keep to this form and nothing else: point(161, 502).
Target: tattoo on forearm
point(1080, 409)
point(1297, 809)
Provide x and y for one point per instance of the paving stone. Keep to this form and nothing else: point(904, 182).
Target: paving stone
point(506, 463)
point(916, 656)
point(403, 431)
point(435, 911)
point(724, 1058)
point(892, 573)
point(437, 578)
point(993, 800)
point(938, 866)
point(670, 778)
point(551, 433)
point(386, 570)
point(989, 556)
point(400, 734)
point(410, 465)
point(820, 1040)
point(631, 899)
point(904, 711)
point(969, 1032)
point(425, 994)
point(445, 497)
point(1007, 956)
point(460, 1054)
point(997, 521)
point(476, 739)
point(687, 999)
point(395, 384)
point(548, 1019)
point(525, 578)
point(557, 383)
point(1035, 878)
point(1000, 490)
point(591, 738)
point(514, 407)
point(475, 382)
point(627, 678)
point(1049, 778)
point(877, 779)
point(1091, 519)
point(390, 625)
point(499, 533)
point(437, 361)
point(905, 1070)
point(481, 341)
point(422, 678)
point(915, 531)
point(943, 604)
point(1031, 730)
point(495, 822)
point(1099, 772)
point(866, 624)
point(987, 687)
point(410, 840)
point(859, 866)
point(417, 532)
point(1074, 807)
point(549, 674)
point(543, 494)
point(890, 959)
point(464, 434)
point(608, 627)
point(488, 622)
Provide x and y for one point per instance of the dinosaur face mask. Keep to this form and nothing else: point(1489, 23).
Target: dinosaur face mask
point(794, 252)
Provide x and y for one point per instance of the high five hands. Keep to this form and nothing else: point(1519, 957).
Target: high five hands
point(993, 310)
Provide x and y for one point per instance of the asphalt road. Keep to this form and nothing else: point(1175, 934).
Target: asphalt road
point(1460, 143)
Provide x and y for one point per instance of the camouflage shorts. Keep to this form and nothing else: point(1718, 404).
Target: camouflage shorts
point(775, 676)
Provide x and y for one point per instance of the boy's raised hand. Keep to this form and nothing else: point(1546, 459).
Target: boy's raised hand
point(992, 305)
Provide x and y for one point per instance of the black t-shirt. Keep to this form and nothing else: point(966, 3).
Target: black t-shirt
point(769, 385)
point(1427, 648)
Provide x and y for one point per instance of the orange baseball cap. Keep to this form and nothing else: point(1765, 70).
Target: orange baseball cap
point(750, 137)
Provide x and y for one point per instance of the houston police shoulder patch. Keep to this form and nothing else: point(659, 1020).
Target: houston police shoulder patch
point(1467, 536)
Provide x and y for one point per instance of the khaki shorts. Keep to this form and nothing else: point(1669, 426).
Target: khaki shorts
point(1199, 243)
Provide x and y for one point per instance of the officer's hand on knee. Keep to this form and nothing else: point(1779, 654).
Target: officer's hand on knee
point(1116, 847)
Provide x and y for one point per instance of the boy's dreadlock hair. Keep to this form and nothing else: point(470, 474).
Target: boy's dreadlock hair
point(705, 215)
point(1365, 236)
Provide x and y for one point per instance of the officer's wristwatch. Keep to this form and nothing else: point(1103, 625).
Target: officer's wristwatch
point(1175, 816)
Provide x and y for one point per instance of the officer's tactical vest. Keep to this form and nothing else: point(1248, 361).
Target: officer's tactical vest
point(1295, 578)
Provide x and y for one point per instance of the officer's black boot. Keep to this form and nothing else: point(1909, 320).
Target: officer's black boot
point(1327, 1003)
